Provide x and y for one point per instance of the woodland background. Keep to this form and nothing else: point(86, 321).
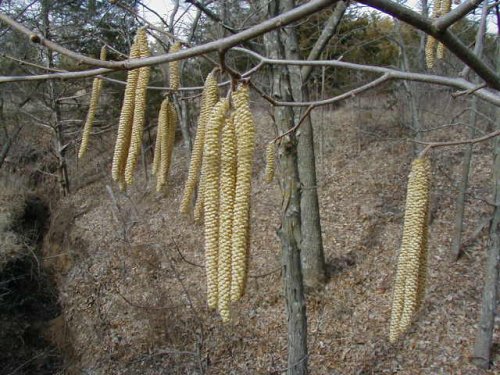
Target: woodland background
point(98, 281)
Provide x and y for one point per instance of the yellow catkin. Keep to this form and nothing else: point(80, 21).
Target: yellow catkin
point(209, 98)
point(167, 146)
point(198, 207)
point(125, 124)
point(161, 130)
point(227, 192)
point(270, 162)
point(430, 46)
point(410, 274)
point(422, 271)
point(94, 101)
point(429, 52)
point(211, 165)
point(445, 8)
point(139, 110)
point(245, 144)
point(173, 68)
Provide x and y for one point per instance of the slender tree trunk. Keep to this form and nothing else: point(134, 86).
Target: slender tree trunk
point(462, 189)
point(184, 124)
point(482, 348)
point(458, 227)
point(409, 88)
point(312, 252)
point(59, 146)
point(290, 230)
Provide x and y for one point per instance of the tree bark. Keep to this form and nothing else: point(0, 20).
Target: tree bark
point(482, 348)
point(290, 230)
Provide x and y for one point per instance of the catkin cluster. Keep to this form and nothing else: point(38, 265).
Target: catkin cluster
point(94, 101)
point(173, 68)
point(430, 47)
point(226, 144)
point(411, 274)
point(164, 145)
point(131, 125)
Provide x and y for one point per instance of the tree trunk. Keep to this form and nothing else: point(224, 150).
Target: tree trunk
point(312, 252)
point(59, 147)
point(457, 235)
point(409, 88)
point(290, 230)
point(462, 189)
point(481, 355)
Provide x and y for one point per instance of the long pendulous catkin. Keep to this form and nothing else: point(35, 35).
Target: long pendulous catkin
point(160, 148)
point(160, 130)
point(94, 101)
point(167, 146)
point(270, 162)
point(226, 203)
point(210, 96)
point(125, 124)
point(445, 8)
point(211, 165)
point(411, 270)
point(430, 47)
point(245, 144)
point(173, 68)
point(139, 110)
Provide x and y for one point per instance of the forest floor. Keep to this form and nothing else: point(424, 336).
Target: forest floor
point(129, 267)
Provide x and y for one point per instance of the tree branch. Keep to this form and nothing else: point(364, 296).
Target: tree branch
point(445, 21)
point(458, 83)
point(444, 36)
point(223, 44)
point(329, 29)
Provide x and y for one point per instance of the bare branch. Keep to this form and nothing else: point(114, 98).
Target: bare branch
point(444, 36)
point(337, 98)
point(329, 29)
point(458, 83)
point(457, 143)
point(223, 44)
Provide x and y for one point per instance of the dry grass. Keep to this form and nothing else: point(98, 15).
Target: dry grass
point(134, 292)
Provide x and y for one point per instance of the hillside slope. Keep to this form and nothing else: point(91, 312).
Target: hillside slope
point(132, 286)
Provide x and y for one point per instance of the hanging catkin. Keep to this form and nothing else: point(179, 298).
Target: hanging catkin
point(139, 110)
point(167, 145)
point(245, 144)
point(430, 47)
point(411, 270)
point(270, 162)
point(211, 165)
point(209, 98)
point(227, 192)
point(160, 130)
point(94, 101)
point(173, 68)
point(126, 116)
point(445, 8)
